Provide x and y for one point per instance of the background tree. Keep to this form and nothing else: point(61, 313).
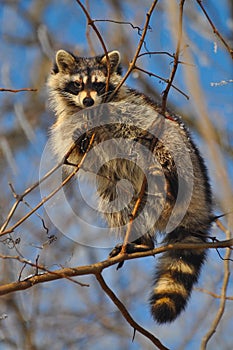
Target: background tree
point(63, 314)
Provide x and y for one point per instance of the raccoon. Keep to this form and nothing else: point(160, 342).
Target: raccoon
point(147, 149)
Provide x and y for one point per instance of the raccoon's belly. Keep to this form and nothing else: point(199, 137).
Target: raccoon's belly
point(119, 185)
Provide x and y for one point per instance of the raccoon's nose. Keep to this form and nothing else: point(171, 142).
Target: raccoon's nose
point(88, 101)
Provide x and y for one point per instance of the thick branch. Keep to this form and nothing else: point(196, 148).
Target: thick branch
point(100, 266)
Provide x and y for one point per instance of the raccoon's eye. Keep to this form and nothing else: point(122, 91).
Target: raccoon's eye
point(77, 85)
point(74, 87)
point(98, 86)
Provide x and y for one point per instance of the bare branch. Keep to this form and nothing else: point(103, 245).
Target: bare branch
point(217, 296)
point(133, 62)
point(17, 90)
point(45, 199)
point(134, 213)
point(163, 79)
point(149, 53)
point(229, 49)
point(176, 58)
point(99, 266)
point(91, 23)
point(119, 22)
point(126, 314)
point(19, 198)
point(38, 267)
point(223, 298)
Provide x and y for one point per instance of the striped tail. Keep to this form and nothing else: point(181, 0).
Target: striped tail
point(178, 271)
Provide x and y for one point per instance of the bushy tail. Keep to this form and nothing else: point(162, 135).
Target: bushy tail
point(176, 274)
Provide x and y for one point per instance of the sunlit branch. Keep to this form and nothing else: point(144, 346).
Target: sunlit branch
point(229, 49)
point(17, 90)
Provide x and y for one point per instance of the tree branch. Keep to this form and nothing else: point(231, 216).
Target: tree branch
point(229, 49)
point(17, 90)
point(176, 58)
point(133, 62)
point(91, 23)
point(163, 79)
point(126, 314)
point(223, 297)
point(99, 266)
point(45, 199)
point(216, 296)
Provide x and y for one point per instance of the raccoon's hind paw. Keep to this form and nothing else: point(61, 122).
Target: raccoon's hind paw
point(129, 249)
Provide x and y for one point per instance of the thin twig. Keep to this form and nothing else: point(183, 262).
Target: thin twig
point(20, 197)
point(38, 267)
point(45, 199)
point(149, 53)
point(176, 58)
point(88, 34)
point(216, 296)
point(229, 49)
point(133, 62)
point(17, 90)
point(156, 53)
point(126, 314)
point(91, 23)
point(28, 205)
point(223, 298)
point(161, 78)
point(119, 22)
point(222, 227)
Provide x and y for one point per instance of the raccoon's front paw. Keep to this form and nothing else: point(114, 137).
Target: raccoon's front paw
point(78, 133)
point(81, 140)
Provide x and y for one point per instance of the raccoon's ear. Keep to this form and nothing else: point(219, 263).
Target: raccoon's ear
point(64, 60)
point(114, 59)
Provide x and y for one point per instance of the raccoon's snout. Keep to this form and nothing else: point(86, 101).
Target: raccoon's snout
point(88, 101)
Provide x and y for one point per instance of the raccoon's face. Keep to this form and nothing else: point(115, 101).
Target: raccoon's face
point(82, 81)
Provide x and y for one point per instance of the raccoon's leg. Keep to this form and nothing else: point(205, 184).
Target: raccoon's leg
point(176, 274)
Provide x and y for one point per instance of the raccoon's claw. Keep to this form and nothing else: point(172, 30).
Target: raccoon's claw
point(129, 249)
point(116, 250)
